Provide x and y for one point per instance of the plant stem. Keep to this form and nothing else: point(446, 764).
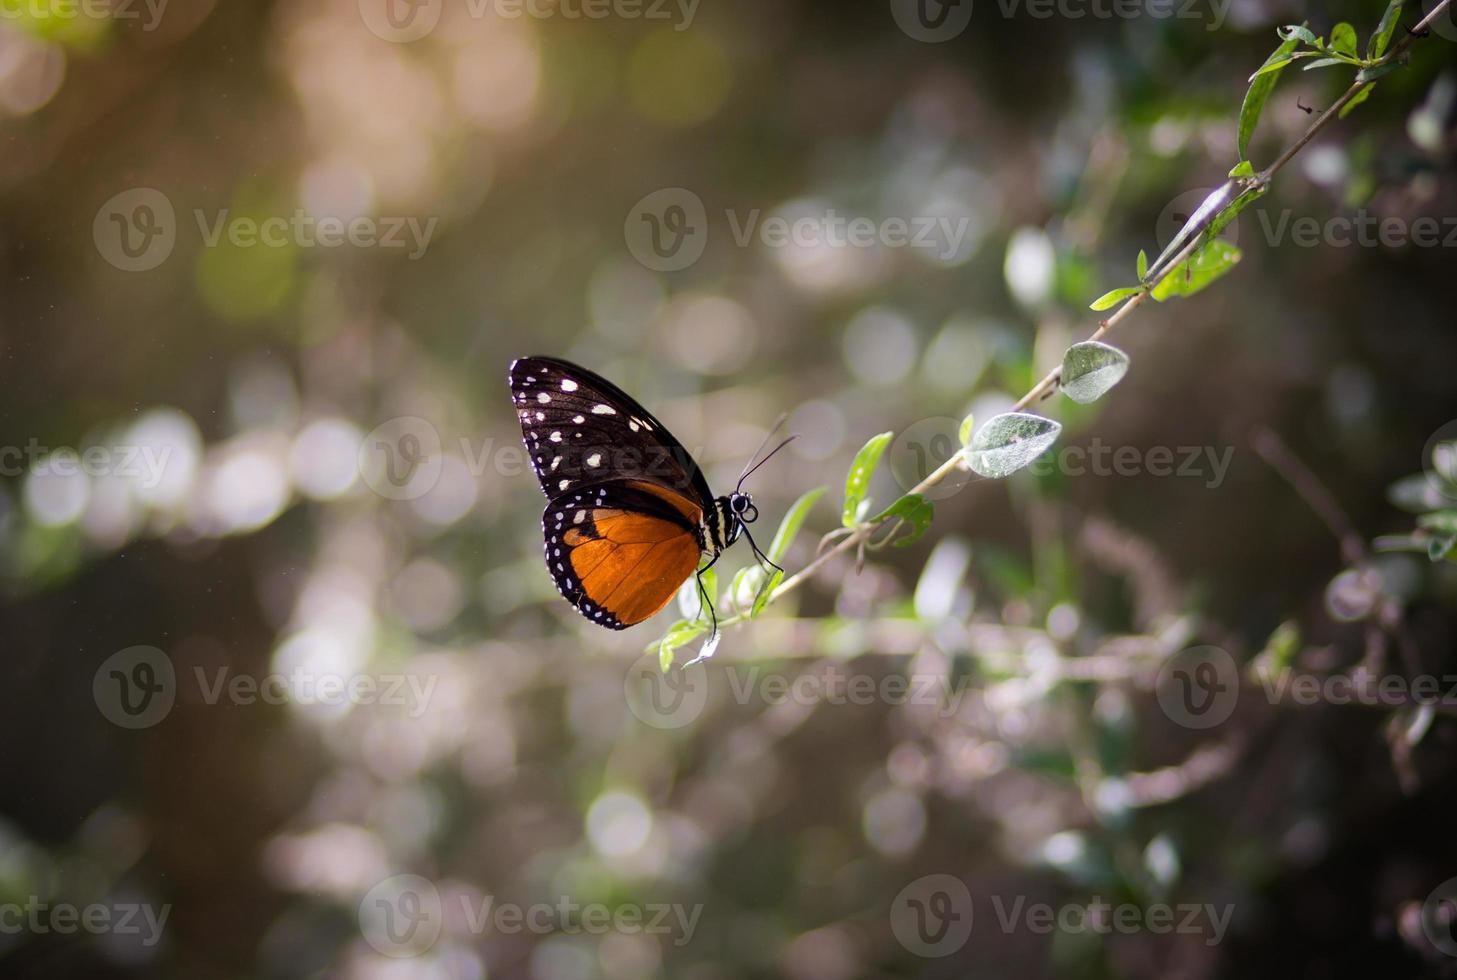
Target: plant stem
point(1049, 383)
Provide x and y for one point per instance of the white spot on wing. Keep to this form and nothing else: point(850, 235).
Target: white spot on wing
point(594, 460)
point(603, 410)
point(543, 397)
point(568, 384)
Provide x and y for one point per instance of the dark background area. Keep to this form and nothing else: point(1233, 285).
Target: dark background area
point(261, 371)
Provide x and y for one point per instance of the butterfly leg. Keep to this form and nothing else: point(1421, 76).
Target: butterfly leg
point(759, 554)
point(707, 602)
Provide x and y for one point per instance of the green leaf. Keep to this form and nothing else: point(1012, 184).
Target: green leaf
point(793, 520)
point(913, 509)
point(1210, 261)
point(1114, 296)
point(1323, 63)
point(744, 587)
point(1273, 65)
point(1300, 33)
point(1416, 493)
point(1441, 522)
point(1009, 442)
point(1343, 39)
point(1243, 169)
point(1262, 83)
point(690, 603)
point(1440, 547)
point(679, 634)
point(858, 481)
point(1356, 100)
point(1376, 45)
point(1142, 264)
point(1090, 369)
point(762, 599)
point(964, 433)
point(1202, 221)
point(1377, 71)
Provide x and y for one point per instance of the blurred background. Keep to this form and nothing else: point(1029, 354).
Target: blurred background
point(264, 266)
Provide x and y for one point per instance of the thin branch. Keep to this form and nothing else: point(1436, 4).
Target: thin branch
point(1049, 383)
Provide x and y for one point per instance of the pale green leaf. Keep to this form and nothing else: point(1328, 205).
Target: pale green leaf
point(1090, 369)
point(1009, 442)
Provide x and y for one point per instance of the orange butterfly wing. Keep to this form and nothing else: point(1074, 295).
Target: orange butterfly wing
point(635, 565)
point(620, 553)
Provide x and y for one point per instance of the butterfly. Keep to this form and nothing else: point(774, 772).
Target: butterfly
point(629, 515)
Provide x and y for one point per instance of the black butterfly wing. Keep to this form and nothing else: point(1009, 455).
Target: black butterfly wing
point(581, 430)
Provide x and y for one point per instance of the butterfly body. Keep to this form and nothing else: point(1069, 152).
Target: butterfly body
point(629, 515)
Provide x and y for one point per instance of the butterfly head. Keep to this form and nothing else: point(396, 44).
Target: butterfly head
point(743, 507)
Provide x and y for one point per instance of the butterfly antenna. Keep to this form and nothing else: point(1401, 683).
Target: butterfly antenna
point(748, 467)
point(761, 462)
